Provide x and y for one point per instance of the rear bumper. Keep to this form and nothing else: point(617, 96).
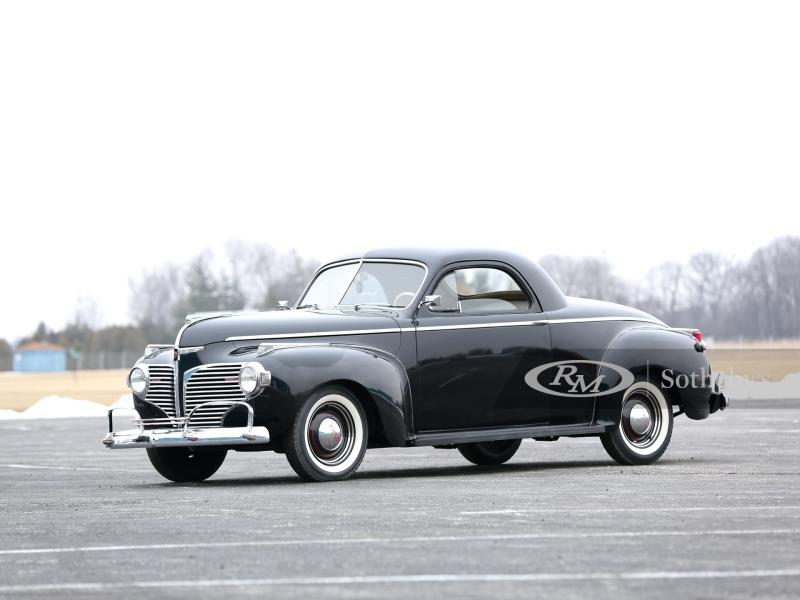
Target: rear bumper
point(718, 401)
point(172, 433)
point(699, 403)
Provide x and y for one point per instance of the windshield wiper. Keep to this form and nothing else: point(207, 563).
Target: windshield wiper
point(386, 307)
point(314, 306)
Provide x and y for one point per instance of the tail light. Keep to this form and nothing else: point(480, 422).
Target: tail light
point(697, 335)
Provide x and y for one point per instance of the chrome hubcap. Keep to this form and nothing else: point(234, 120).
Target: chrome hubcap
point(640, 419)
point(329, 434)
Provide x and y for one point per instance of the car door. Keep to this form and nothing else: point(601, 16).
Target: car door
point(474, 348)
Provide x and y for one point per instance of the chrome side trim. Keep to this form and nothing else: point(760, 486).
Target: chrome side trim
point(470, 326)
point(528, 323)
point(276, 336)
point(265, 349)
point(279, 336)
point(600, 319)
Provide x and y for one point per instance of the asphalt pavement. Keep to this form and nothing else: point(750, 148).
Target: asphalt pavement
point(718, 516)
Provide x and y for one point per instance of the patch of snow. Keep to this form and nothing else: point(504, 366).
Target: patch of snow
point(59, 407)
point(125, 401)
point(9, 414)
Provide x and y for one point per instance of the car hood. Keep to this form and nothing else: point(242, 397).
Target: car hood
point(283, 324)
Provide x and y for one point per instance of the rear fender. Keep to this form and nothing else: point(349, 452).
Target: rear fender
point(665, 357)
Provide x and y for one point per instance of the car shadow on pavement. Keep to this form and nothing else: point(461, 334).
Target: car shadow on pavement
point(429, 472)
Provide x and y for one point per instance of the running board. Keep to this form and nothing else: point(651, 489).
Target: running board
point(444, 438)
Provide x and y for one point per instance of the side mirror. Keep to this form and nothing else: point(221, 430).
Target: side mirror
point(284, 305)
point(434, 304)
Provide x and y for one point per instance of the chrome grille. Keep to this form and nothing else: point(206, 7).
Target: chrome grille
point(161, 390)
point(211, 383)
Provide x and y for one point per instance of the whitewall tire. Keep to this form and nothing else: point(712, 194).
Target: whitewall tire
point(644, 429)
point(328, 438)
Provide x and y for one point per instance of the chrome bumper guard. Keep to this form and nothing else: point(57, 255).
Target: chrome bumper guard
point(178, 433)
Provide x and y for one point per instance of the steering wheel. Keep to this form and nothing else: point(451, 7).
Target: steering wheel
point(403, 298)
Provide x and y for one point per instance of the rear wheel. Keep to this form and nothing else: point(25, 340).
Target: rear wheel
point(328, 438)
point(645, 426)
point(186, 464)
point(489, 453)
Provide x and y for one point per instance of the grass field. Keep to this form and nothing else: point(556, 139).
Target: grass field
point(756, 363)
point(18, 391)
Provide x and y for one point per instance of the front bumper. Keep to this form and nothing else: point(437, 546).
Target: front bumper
point(172, 433)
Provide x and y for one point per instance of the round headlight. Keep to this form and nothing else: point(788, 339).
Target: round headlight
point(138, 380)
point(253, 378)
point(248, 379)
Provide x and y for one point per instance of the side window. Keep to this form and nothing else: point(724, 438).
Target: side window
point(447, 289)
point(481, 290)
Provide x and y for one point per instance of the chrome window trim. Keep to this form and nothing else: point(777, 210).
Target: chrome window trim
point(361, 261)
point(275, 336)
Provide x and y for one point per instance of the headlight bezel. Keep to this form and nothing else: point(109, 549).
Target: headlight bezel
point(145, 379)
point(260, 377)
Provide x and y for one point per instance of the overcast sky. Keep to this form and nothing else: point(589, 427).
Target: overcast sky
point(136, 133)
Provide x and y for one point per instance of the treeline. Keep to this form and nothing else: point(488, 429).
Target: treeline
point(753, 299)
point(246, 276)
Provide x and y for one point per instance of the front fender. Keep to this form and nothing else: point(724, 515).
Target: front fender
point(666, 357)
point(297, 371)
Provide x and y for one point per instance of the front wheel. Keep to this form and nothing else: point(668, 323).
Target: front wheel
point(489, 453)
point(185, 464)
point(328, 438)
point(645, 426)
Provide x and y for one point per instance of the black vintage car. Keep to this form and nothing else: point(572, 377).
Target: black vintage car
point(471, 350)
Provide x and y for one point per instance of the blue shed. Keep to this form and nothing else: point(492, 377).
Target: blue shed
point(40, 357)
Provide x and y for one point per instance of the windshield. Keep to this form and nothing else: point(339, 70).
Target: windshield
point(374, 283)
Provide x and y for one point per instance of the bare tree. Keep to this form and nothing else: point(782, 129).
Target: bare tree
point(268, 276)
point(88, 313)
point(153, 300)
point(586, 277)
point(708, 278)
